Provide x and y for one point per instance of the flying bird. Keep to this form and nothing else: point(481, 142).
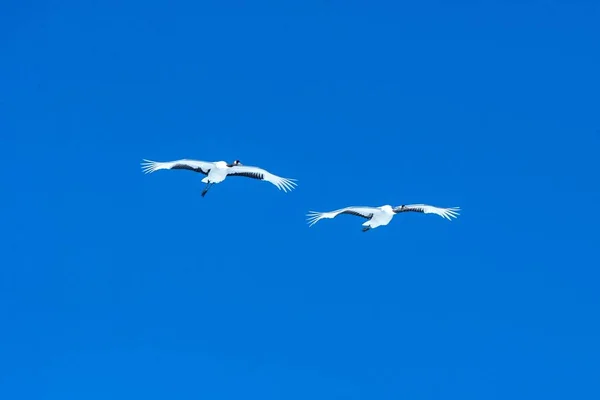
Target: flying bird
point(216, 172)
point(381, 216)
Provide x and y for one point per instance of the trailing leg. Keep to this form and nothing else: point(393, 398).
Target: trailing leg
point(208, 186)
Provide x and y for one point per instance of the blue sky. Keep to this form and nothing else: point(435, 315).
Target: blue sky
point(115, 284)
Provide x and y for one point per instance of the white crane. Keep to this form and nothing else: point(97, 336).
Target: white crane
point(381, 216)
point(217, 171)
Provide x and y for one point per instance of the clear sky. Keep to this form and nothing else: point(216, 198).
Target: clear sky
point(120, 285)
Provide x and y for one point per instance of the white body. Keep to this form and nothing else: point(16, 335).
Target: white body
point(381, 217)
point(217, 173)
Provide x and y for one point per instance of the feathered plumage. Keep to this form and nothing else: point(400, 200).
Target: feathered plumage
point(380, 216)
point(216, 172)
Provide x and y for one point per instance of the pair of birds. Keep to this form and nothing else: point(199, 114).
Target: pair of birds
point(216, 172)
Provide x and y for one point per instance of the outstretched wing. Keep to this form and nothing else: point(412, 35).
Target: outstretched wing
point(426, 209)
point(202, 167)
point(284, 184)
point(364, 212)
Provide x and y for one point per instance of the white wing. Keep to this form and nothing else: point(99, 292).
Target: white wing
point(203, 167)
point(284, 184)
point(426, 209)
point(364, 212)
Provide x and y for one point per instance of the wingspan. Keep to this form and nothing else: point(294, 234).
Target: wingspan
point(427, 209)
point(202, 167)
point(285, 184)
point(364, 212)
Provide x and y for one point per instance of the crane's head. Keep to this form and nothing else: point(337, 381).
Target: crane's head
point(233, 164)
